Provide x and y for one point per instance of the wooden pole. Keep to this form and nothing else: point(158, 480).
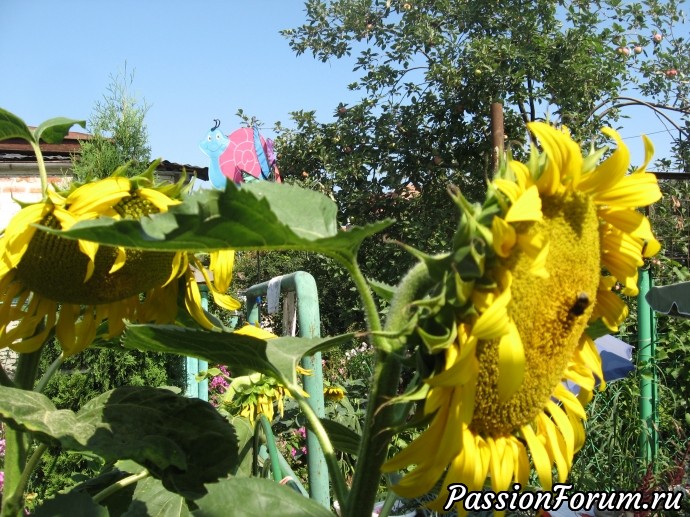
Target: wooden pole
point(497, 134)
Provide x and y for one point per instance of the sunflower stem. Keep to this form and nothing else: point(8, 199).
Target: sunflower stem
point(5, 379)
point(15, 459)
point(116, 487)
point(17, 442)
point(339, 486)
point(14, 501)
point(414, 285)
point(54, 367)
point(378, 429)
point(41, 169)
point(370, 309)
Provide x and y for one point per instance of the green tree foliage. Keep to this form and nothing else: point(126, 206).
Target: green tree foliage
point(119, 133)
point(428, 72)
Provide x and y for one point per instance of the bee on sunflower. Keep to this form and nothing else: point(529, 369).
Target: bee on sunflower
point(49, 283)
point(532, 269)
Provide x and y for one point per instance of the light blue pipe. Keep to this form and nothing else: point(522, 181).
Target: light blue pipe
point(309, 321)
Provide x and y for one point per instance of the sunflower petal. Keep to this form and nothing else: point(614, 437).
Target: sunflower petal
point(157, 198)
point(526, 208)
point(192, 301)
point(610, 171)
point(98, 195)
point(120, 260)
point(635, 190)
point(221, 265)
point(89, 249)
point(540, 458)
point(648, 155)
point(493, 322)
point(511, 364)
point(20, 230)
point(504, 237)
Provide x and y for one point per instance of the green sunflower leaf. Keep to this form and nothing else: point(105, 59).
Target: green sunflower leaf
point(257, 216)
point(245, 438)
point(54, 130)
point(152, 498)
point(11, 126)
point(343, 438)
point(249, 497)
point(182, 441)
point(276, 357)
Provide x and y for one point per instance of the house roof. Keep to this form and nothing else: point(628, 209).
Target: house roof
point(18, 151)
point(191, 170)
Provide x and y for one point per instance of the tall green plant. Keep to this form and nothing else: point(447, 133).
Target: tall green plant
point(119, 133)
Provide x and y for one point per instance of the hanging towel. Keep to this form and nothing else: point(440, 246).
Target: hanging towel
point(273, 294)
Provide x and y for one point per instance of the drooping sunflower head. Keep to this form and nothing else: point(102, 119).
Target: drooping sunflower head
point(254, 395)
point(333, 393)
point(531, 270)
point(257, 394)
point(72, 286)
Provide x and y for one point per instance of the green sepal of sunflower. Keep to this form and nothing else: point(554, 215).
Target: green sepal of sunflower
point(471, 259)
point(437, 265)
point(430, 305)
point(421, 310)
point(596, 329)
point(494, 205)
point(418, 419)
point(470, 230)
point(22, 205)
point(150, 172)
point(591, 161)
point(438, 337)
point(248, 386)
point(415, 393)
point(147, 179)
point(536, 162)
point(467, 217)
point(176, 190)
point(463, 289)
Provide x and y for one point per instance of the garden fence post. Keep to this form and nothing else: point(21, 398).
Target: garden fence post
point(309, 321)
point(196, 389)
point(645, 362)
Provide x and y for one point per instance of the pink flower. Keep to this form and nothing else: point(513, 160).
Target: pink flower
point(218, 383)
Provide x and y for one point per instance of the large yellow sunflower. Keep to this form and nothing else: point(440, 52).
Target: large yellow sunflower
point(558, 233)
point(49, 283)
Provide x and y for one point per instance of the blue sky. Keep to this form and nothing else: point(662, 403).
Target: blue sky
point(193, 62)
